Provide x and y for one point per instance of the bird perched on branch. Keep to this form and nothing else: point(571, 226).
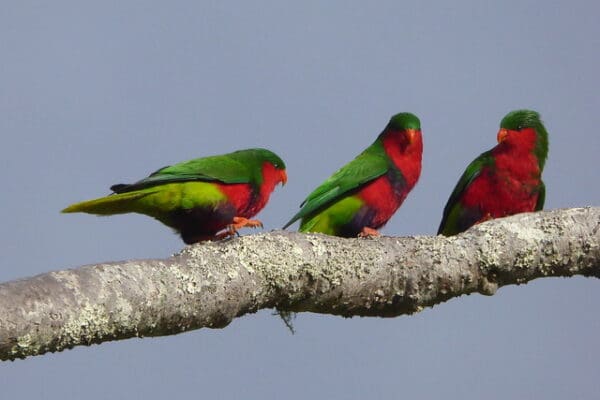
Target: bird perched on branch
point(503, 181)
point(363, 195)
point(202, 199)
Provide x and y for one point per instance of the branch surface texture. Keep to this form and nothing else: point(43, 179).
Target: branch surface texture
point(209, 284)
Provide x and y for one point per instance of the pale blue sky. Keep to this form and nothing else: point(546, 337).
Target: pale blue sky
point(95, 94)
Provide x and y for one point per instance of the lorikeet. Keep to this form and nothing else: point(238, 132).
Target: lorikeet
point(503, 181)
point(364, 194)
point(199, 198)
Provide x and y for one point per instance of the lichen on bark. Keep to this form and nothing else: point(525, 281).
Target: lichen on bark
point(210, 284)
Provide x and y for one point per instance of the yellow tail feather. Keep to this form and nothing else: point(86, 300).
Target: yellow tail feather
point(108, 205)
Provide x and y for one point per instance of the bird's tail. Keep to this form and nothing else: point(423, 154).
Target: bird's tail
point(108, 205)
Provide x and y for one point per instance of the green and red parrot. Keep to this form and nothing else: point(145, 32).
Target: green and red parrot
point(503, 181)
point(363, 195)
point(202, 199)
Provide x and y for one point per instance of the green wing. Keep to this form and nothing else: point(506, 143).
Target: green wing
point(227, 168)
point(369, 165)
point(541, 197)
point(473, 170)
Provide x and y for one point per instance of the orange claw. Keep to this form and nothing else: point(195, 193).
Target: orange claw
point(369, 232)
point(238, 223)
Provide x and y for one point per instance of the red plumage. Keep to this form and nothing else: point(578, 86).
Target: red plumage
point(386, 194)
point(506, 187)
point(503, 181)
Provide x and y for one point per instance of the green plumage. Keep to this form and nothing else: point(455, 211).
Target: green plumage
point(189, 196)
point(368, 165)
point(453, 209)
point(243, 166)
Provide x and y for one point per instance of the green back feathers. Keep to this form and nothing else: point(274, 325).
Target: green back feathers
point(541, 197)
point(367, 166)
point(471, 172)
point(519, 119)
point(243, 166)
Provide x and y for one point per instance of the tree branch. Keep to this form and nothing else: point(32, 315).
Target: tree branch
point(207, 285)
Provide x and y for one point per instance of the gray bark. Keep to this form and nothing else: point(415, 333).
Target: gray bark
point(209, 284)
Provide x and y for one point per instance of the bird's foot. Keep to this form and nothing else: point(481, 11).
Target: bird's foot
point(241, 222)
point(369, 232)
point(238, 223)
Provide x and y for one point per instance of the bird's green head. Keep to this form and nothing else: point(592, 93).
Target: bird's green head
point(403, 121)
point(261, 159)
point(270, 157)
point(406, 127)
point(257, 156)
point(519, 121)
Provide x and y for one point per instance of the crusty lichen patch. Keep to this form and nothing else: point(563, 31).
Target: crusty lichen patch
point(91, 322)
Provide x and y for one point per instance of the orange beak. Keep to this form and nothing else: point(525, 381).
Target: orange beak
point(283, 176)
point(502, 134)
point(411, 134)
